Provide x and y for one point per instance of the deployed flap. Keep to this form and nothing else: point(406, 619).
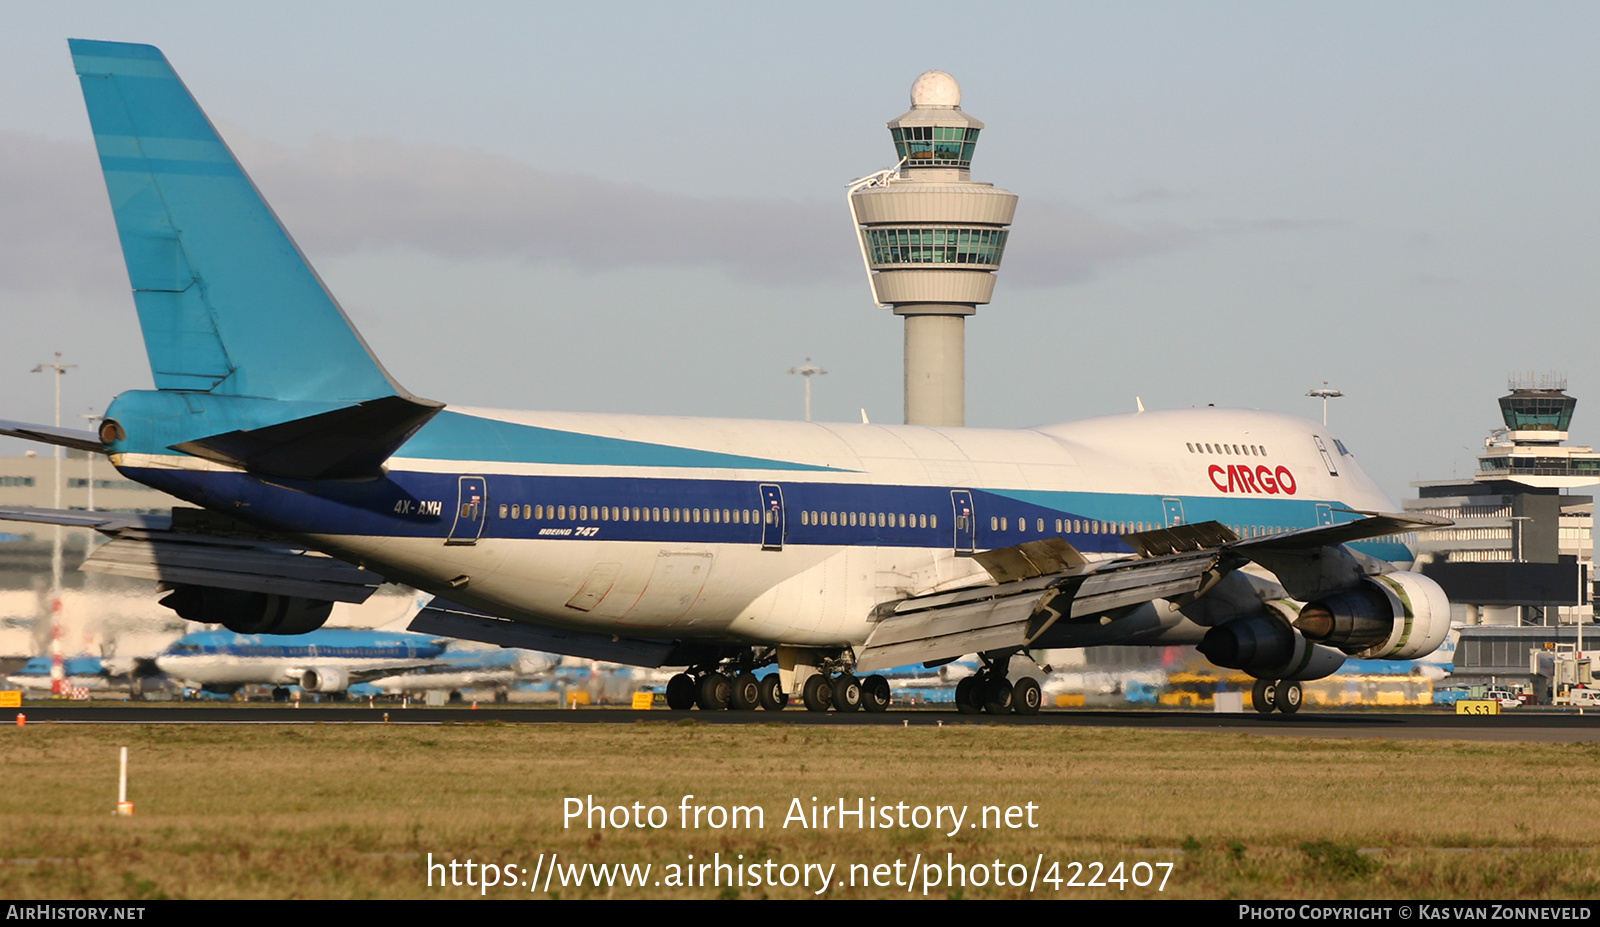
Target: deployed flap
point(1179, 538)
point(928, 628)
point(995, 622)
point(347, 443)
point(1030, 559)
point(47, 434)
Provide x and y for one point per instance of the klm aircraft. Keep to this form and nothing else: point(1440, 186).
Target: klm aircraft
point(330, 660)
point(721, 546)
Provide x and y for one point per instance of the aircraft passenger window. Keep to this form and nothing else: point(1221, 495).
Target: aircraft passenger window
point(922, 521)
point(504, 513)
point(772, 517)
point(805, 517)
point(561, 512)
point(994, 523)
point(1040, 526)
point(527, 511)
point(583, 513)
point(726, 516)
point(933, 521)
point(1190, 445)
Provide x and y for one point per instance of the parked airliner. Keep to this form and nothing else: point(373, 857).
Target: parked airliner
point(720, 546)
point(329, 661)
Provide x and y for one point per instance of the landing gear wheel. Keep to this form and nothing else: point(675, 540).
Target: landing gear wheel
point(875, 694)
point(746, 693)
point(1288, 696)
point(1264, 696)
point(772, 696)
point(680, 692)
point(997, 696)
point(846, 692)
point(714, 692)
point(1026, 697)
point(817, 693)
point(280, 694)
point(969, 695)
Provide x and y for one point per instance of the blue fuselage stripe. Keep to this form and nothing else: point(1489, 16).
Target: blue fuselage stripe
point(581, 508)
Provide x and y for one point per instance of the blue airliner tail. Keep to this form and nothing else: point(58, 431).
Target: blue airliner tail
point(254, 362)
point(227, 303)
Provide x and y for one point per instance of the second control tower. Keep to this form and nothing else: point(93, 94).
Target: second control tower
point(931, 239)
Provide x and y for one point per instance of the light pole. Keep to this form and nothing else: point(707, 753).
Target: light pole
point(91, 418)
point(57, 676)
point(808, 370)
point(1325, 394)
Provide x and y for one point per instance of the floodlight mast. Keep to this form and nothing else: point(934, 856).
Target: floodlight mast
point(57, 677)
point(1324, 394)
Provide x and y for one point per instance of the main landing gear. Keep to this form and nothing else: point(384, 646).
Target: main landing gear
point(1282, 695)
point(713, 688)
point(988, 690)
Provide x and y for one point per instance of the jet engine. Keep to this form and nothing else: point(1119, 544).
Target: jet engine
point(248, 612)
point(1394, 616)
point(1264, 646)
point(324, 679)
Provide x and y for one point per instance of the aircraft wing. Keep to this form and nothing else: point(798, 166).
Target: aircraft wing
point(197, 548)
point(1042, 582)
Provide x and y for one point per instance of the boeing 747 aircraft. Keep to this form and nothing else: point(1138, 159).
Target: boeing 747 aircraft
point(720, 546)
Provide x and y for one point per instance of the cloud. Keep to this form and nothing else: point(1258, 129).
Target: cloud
point(350, 196)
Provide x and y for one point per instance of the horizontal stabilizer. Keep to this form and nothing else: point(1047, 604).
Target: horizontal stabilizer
point(187, 560)
point(47, 434)
point(197, 548)
point(452, 620)
point(106, 522)
point(348, 443)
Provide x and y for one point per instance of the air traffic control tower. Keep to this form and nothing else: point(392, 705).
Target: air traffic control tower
point(931, 239)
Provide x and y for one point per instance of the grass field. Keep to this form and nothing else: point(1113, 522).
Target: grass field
point(354, 811)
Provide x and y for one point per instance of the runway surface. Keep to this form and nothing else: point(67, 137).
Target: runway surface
point(1516, 725)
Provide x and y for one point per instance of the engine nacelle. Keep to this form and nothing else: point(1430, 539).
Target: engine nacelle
point(1395, 616)
point(324, 679)
point(248, 612)
point(1266, 647)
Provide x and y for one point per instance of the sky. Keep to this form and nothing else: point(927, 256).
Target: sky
point(628, 207)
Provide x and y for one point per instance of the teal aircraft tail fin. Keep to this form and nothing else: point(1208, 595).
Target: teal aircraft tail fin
point(227, 303)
